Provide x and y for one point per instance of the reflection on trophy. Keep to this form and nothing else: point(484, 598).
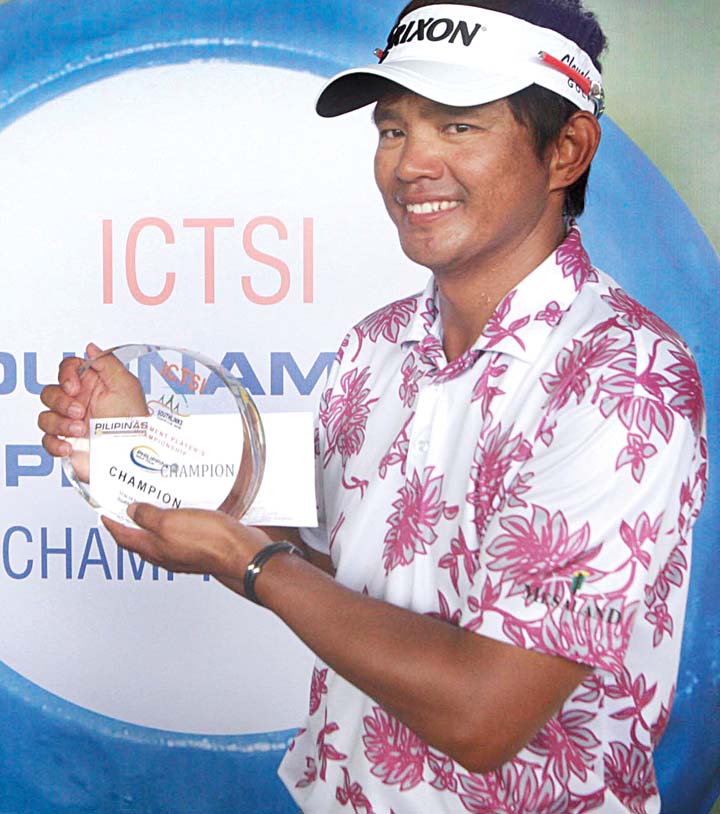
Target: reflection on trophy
point(166, 426)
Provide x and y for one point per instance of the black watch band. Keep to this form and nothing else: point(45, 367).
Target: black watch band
point(255, 566)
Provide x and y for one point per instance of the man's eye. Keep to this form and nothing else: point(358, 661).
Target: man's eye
point(391, 133)
point(457, 127)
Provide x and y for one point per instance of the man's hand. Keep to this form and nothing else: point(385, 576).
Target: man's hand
point(106, 389)
point(193, 541)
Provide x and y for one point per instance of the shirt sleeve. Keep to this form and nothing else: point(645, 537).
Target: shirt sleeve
point(582, 532)
point(317, 536)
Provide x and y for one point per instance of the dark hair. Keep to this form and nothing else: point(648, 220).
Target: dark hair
point(543, 111)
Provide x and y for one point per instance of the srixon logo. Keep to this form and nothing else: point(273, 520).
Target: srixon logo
point(433, 30)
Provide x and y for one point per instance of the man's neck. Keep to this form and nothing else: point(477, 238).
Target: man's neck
point(468, 299)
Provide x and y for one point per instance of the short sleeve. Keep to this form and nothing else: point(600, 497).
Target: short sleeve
point(582, 533)
point(317, 536)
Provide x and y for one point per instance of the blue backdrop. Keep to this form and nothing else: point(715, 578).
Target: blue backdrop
point(56, 758)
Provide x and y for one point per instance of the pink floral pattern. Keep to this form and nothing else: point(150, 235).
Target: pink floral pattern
point(574, 261)
point(445, 613)
point(551, 313)
point(325, 750)
point(496, 453)
point(499, 328)
point(484, 391)
point(411, 374)
point(309, 775)
point(568, 743)
point(541, 490)
point(318, 688)
point(641, 537)
point(586, 632)
point(636, 316)
point(460, 557)
point(352, 793)
point(385, 323)
point(396, 754)
point(418, 510)
point(688, 396)
point(528, 550)
point(634, 455)
point(345, 415)
point(443, 769)
point(631, 776)
point(573, 369)
point(397, 454)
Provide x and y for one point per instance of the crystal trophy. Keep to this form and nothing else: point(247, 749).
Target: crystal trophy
point(166, 426)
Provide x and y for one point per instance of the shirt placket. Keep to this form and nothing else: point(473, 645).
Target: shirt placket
point(433, 386)
point(426, 409)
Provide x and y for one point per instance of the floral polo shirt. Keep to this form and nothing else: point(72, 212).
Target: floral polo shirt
point(539, 490)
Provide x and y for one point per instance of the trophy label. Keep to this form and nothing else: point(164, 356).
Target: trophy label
point(165, 459)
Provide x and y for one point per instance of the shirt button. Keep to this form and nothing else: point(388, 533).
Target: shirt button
point(423, 446)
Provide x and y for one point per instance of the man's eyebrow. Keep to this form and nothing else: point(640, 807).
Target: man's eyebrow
point(436, 108)
point(384, 112)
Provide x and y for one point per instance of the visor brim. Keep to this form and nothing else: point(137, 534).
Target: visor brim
point(452, 85)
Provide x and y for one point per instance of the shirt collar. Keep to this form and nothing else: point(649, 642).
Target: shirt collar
point(527, 314)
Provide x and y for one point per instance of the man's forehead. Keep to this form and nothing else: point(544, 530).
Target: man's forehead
point(389, 104)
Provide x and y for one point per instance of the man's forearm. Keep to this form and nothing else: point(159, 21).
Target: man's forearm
point(475, 699)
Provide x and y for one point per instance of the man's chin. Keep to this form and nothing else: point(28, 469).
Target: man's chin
point(425, 254)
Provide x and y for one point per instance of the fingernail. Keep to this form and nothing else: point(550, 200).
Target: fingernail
point(131, 510)
point(68, 386)
point(77, 427)
point(75, 411)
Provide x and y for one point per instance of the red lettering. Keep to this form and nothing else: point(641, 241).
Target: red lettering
point(131, 261)
point(107, 262)
point(169, 372)
point(268, 260)
point(308, 261)
point(252, 286)
point(209, 225)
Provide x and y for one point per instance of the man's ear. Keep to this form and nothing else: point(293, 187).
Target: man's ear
point(574, 149)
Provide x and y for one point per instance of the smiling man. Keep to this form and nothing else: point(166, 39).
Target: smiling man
point(509, 462)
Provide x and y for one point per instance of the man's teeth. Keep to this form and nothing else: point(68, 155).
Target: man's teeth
point(431, 206)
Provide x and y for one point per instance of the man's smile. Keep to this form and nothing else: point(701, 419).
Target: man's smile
point(427, 207)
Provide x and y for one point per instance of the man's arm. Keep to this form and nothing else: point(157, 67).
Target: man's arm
point(475, 699)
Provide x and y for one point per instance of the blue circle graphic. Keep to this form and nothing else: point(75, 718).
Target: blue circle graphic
point(57, 758)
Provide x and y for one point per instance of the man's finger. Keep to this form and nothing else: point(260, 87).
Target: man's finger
point(68, 375)
point(136, 540)
point(109, 368)
point(56, 398)
point(56, 446)
point(56, 422)
point(146, 516)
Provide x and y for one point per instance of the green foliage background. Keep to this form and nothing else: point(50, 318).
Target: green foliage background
point(662, 77)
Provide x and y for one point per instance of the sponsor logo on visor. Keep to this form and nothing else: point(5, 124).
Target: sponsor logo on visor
point(434, 30)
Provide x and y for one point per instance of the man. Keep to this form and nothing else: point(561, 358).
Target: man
point(510, 463)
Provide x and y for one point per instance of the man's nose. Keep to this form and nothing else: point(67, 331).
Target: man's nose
point(419, 158)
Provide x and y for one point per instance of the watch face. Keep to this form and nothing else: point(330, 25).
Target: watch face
point(165, 426)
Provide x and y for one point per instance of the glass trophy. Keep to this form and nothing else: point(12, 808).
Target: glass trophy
point(166, 426)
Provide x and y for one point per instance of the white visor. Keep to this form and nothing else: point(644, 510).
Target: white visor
point(463, 56)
